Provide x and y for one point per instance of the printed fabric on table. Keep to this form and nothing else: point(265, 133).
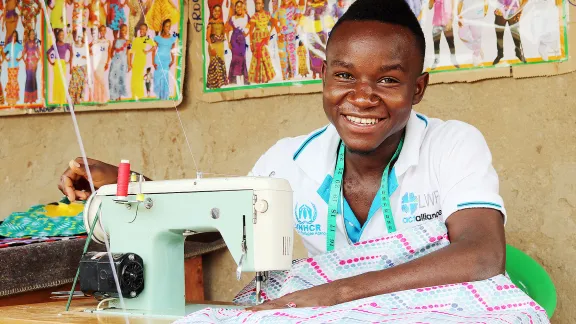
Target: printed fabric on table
point(495, 300)
point(51, 220)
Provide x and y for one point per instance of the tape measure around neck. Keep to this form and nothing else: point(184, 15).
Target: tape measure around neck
point(336, 189)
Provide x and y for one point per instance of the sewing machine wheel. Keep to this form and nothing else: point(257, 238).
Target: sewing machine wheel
point(97, 277)
point(133, 277)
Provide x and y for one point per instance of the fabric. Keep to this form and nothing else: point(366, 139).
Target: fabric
point(57, 14)
point(96, 14)
point(495, 300)
point(139, 47)
point(302, 66)
point(217, 66)
point(162, 73)
point(12, 87)
point(261, 69)
point(12, 242)
point(30, 10)
point(79, 20)
point(58, 91)
point(62, 49)
point(442, 12)
point(116, 15)
point(79, 57)
point(216, 73)
point(471, 35)
point(287, 17)
point(100, 52)
point(508, 8)
point(135, 17)
point(159, 11)
point(238, 65)
point(118, 70)
point(444, 166)
point(32, 51)
point(60, 219)
point(77, 83)
point(13, 52)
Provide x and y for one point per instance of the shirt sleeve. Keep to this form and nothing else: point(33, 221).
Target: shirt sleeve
point(466, 176)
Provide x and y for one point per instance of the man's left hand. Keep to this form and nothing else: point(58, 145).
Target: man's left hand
point(323, 295)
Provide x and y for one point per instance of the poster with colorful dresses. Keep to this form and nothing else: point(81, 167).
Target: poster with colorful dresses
point(95, 54)
point(250, 44)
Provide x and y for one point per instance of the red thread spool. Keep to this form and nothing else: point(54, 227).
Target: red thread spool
point(123, 179)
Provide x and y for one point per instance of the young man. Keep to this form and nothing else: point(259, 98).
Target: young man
point(396, 168)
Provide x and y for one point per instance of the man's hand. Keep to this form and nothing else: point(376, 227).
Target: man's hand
point(74, 181)
point(323, 295)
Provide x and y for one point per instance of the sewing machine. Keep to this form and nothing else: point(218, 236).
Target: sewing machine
point(147, 229)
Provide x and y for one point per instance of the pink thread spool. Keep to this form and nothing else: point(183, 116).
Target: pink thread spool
point(123, 179)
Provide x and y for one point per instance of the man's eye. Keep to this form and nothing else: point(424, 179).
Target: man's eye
point(344, 75)
point(388, 80)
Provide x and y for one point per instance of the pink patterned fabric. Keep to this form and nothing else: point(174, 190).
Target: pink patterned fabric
point(495, 300)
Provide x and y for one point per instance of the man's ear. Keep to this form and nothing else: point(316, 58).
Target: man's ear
point(421, 85)
point(323, 72)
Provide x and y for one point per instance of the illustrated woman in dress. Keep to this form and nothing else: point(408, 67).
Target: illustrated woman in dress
point(13, 54)
point(238, 28)
point(100, 52)
point(215, 37)
point(164, 58)
point(31, 58)
point(78, 68)
point(141, 46)
point(119, 65)
point(261, 69)
point(59, 63)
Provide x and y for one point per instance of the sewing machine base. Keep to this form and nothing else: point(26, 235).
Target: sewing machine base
point(190, 308)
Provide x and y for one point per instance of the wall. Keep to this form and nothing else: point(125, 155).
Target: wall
point(528, 124)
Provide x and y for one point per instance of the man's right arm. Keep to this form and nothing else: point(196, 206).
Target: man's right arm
point(74, 181)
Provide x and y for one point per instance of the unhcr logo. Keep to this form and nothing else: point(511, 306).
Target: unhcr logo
point(306, 216)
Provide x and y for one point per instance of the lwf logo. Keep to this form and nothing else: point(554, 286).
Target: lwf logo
point(412, 202)
point(306, 216)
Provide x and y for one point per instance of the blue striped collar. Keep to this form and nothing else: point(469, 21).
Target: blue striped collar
point(316, 156)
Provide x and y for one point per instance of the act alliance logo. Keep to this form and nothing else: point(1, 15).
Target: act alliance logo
point(306, 216)
point(411, 203)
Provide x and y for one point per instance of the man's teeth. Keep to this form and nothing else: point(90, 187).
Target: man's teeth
point(363, 121)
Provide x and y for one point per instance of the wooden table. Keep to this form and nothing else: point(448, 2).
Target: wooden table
point(55, 312)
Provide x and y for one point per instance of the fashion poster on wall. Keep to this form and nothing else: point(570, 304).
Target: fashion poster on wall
point(264, 43)
point(92, 53)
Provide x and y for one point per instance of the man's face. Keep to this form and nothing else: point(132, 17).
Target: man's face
point(372, 76)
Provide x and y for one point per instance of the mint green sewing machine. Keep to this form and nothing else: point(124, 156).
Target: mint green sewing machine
point(146, 233)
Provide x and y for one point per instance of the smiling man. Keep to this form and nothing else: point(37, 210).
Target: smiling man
point(378, 167)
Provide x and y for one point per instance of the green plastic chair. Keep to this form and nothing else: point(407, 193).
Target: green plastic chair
point(531, 278)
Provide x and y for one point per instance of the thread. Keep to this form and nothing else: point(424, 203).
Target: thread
point(123, 179)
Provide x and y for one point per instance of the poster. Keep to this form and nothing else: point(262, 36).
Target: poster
point(252, 44)
point(97, 54)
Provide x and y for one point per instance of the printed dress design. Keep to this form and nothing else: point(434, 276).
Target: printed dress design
point(118, 70)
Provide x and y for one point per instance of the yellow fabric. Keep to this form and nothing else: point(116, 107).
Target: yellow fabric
point(161, 10)
point(66, 210)
point(58, 92)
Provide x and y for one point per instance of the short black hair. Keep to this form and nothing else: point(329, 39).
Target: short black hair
point(395, 12)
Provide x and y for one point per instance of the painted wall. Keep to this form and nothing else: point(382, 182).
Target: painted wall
point(529, 126)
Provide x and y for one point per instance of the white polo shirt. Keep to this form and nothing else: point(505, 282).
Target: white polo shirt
point(444, 166)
